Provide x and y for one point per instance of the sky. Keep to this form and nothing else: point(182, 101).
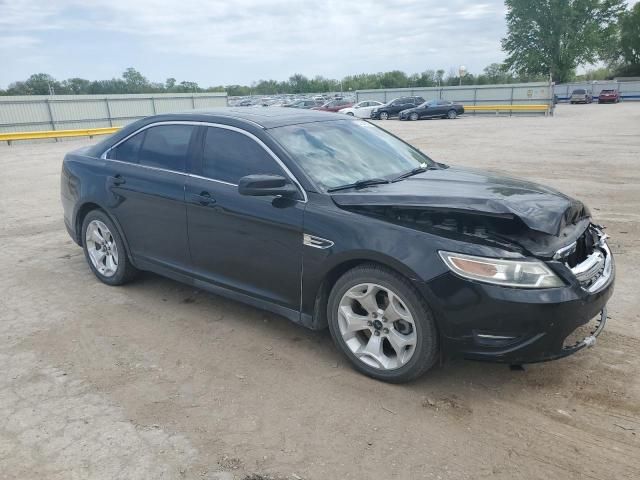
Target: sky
point(216, 42)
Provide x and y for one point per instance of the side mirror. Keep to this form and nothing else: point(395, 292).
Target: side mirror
point(266, 185)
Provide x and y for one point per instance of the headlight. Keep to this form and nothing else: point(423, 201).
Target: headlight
point(508, 273)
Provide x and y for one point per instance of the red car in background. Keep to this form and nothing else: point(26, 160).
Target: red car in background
point(609, 96)
point(334, 105)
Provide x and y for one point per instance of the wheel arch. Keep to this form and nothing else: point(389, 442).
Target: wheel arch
point(82, 213)
point(331, 276)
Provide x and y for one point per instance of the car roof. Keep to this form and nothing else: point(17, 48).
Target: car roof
point(247, 117)
point(265, 117)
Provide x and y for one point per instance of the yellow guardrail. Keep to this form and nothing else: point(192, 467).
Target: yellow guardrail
point(506, 108)
point(90, 132)
point(82, 132)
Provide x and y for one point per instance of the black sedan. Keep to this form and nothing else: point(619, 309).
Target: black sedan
point(333, 222)
point(433, 109)
point(394, 107)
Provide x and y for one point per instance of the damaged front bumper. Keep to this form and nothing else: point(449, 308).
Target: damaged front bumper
point(488, 322)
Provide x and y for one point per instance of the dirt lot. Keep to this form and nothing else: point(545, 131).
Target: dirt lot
point(156, 380)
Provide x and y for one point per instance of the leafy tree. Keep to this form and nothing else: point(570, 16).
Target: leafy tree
point(42, 84)
point(595, 74)
point(189, 87)
point(630, 36)
point(170, 83)
point(75, 86)
point(555, 36)
point(625, 58)
point(136, 82)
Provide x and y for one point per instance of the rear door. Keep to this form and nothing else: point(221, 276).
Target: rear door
point(251, 245)
point(147, 180)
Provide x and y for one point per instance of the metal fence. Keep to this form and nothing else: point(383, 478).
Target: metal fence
point(629, 91)
point(62, 112)
point(538, 93)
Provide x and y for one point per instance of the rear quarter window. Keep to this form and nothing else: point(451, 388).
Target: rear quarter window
point(166, 146)
point(128, 150)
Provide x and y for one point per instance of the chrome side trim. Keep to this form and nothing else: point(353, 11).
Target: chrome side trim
point(212, 180)
point(148, 167)
point(316, 242)
point(215, 125)
point(494, 337)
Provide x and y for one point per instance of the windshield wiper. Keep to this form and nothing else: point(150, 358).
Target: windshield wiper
point(360, 184)
point(415, 171)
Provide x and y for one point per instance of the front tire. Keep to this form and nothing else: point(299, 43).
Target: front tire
point(104, 249)
point(350, 114)
point(384, 116)
point(414, 116)
point(382, 324)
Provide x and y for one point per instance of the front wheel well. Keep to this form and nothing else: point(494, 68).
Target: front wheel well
point(322, 297)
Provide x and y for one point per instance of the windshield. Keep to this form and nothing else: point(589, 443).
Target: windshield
point(342, 152)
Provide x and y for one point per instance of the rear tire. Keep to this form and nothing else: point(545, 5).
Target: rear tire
point(105, 250)
point(350, 114)
point(452, 114)
point(369, 299)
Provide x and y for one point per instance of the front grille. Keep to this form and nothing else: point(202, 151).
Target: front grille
point(588, 258)
point(584, 247)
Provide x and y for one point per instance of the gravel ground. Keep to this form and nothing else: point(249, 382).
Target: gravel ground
point(157, 380)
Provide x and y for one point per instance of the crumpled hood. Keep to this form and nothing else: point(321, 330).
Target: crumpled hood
point(474, 191)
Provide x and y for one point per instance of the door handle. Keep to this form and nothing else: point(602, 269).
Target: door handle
point(116, 180)
point(203, 198)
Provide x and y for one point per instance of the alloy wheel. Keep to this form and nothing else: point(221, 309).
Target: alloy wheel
point(384, 116)
point(102, 248)
point(377, 326)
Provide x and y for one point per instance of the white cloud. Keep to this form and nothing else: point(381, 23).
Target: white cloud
point(252, 39)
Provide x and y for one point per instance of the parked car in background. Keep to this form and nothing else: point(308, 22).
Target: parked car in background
point(580, 95)
point(433, 109)
point(332, 222)
point(245, 103)
point(303, 104)
point(395, 106)
point(361, 109)
point(609, 96)
point(334, 106)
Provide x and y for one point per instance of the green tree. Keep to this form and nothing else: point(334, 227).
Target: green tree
point(41, 84)
point(75, 86)
point(555, 36)
point(136, 82)
point(170, 83)
point(626, 61)
point(630, 36)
